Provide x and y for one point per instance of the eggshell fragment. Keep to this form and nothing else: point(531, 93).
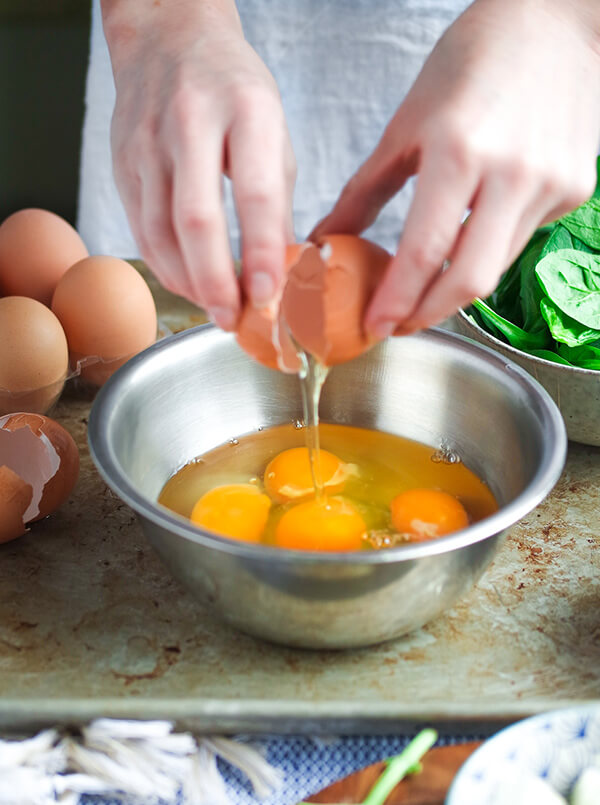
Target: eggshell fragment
point(15, 497)
point(108, 314)
point(327, 293)
point(44, 455)
point(34, 357)
point(262, 333)
point(36, 248)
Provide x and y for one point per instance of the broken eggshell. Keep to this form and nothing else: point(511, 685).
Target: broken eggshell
point(15, 497)
point(262, 333)
point(321, 306)
point(327, 293)
point(44, 456)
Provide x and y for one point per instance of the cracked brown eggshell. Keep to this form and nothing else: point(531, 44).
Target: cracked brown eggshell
point(15, 497)
point(40, 452)
point(321, 306)
point(327, 293)
point(262, 333)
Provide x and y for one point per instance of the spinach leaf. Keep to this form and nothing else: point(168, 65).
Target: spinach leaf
point(596, 193)
point(474, 315)
point(560, 238)
point(515, 335)
point(564, 328)
point(548, 355)
point(586, 357)
point(506, 299)
point(584, 222)
point(530, 290)
point(572, 281)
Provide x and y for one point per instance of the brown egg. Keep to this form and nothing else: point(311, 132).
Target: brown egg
point(36, 248)
point(34, 357)
point(108, 314)
point(15, 497)
point(44, 456)
point(326, 295)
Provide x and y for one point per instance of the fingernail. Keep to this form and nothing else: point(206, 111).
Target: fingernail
point(223, 317)
point(262, 289)
point(382, 329)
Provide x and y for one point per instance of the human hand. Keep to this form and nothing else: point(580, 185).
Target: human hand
point(194, 102)
point(504, 121)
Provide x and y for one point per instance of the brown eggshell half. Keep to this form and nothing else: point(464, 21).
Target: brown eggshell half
point(44, 455)
point(327, 293)
point(15, 497)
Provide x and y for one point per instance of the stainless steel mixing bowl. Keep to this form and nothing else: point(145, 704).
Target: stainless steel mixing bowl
point(196, 390)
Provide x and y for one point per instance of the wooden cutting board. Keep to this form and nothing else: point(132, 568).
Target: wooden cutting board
point(429, 787)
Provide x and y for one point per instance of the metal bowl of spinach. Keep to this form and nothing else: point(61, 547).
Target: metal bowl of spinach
point(545, 315)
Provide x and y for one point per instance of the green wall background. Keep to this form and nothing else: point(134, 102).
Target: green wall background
point(43, 60)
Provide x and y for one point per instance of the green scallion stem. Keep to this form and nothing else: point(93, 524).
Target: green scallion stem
point(399, 766)
point(407, 762)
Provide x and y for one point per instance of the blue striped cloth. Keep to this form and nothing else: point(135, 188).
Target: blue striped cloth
point(308, 765)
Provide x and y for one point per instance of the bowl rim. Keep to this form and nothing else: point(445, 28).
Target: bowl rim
point(496, 343)
point(491, 745)
point(545, 477)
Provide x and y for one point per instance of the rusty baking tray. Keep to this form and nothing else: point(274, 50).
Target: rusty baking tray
point(92, 624)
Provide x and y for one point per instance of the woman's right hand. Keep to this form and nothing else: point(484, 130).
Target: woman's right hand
point(194, 102)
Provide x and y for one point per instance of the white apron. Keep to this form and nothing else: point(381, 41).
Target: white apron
point(342, 67)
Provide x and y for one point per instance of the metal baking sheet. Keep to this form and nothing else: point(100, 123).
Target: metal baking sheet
point(92, 624)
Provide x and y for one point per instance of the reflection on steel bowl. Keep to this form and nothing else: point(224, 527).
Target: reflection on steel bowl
point(193, 391)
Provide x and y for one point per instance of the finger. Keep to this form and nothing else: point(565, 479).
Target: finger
point(377, 180)
point(257, 158)
point(158, 243)
point(443, 193)
point(483, 252)
point(200, 225)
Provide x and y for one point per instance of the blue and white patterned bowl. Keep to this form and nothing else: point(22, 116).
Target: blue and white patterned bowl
point(555, 746)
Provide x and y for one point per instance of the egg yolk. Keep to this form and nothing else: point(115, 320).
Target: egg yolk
point(288, 476)
point(234, 510)
point(427, 513)
point(327, 524)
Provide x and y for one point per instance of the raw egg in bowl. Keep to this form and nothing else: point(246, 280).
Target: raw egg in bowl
point(198, 394)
